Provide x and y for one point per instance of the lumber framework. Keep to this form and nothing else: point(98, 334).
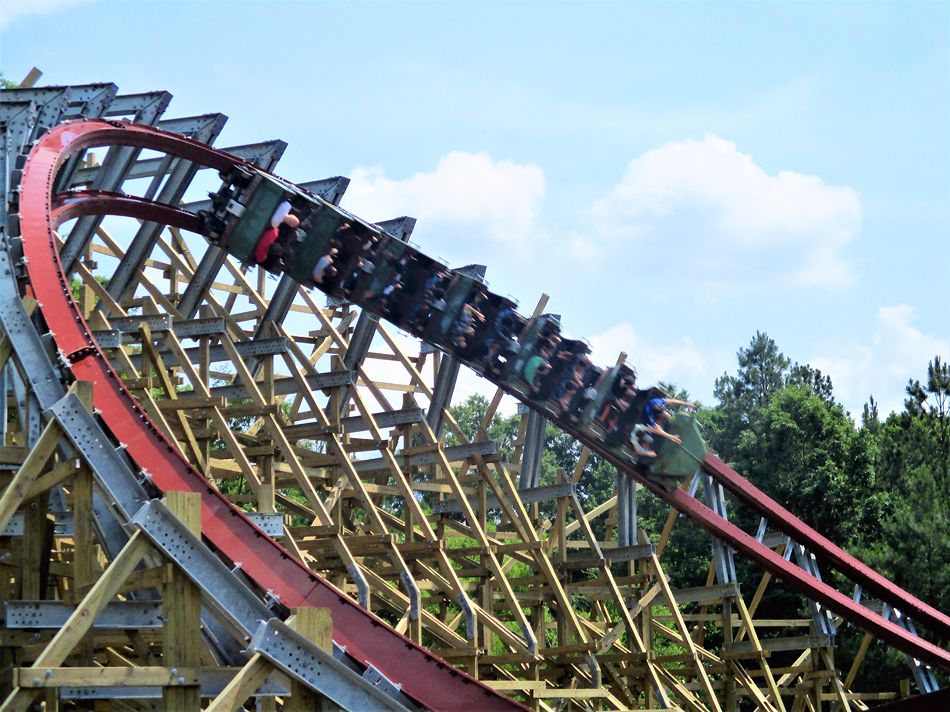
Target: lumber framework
point(335, 431)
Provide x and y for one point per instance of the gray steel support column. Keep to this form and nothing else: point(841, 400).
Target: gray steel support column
point(211, 263)
point(820, 616)
point(90, 100)
point(448, 371)
point(623, 513)
point(17, 120)
point(258, 153)
point(320, 671)
point(84, 103)
point(532, 451)
point(59, 103)
point(5, 388)
point(626, 510)
point(923, 675)
point(632, 509)
point(442, 392)
point(123, 280)
point(722, 554)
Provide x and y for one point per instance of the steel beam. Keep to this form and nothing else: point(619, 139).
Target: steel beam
point(145, 109)
point(258, 153)
point(295, 655)
point(212, 683)
point(173, 189)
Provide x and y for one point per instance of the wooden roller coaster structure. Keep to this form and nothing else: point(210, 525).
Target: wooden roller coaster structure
point(221, 492)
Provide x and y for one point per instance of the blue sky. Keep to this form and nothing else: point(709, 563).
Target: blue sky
point(675, 175)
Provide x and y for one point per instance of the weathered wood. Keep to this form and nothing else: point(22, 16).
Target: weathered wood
point(79, 623)
point(316, 625)
point(181, 599)
point(139, 676)
point(242, 685)
point(33, 466)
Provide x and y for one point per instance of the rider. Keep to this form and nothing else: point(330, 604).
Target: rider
point(655, 412)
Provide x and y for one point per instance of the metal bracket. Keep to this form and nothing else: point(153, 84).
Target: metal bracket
point(317, 669)
point(222, 590)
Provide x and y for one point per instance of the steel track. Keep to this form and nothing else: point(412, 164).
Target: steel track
point(424, 677)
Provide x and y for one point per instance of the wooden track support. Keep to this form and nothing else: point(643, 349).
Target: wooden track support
point(527, 588)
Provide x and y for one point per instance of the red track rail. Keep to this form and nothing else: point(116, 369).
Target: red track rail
point(826, 550)
point(424, 677)
point(269, 564)
point(791, 576)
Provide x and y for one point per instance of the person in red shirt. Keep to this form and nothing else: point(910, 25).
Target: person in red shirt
point(267, 247)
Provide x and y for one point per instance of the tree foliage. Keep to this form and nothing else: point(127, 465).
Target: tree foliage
point(878, 488)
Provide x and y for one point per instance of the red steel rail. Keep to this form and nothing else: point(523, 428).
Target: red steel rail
point(792, 577)
point(825, 549)
point(428, 679)
point(273, 567)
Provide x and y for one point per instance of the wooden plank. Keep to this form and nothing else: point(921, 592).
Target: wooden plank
point(575, 694)
point(181, 644)
point(151, 676)
point(316, 625)
point(242, 685)
point(148, 348)
point(19, 488)
point(84, 558)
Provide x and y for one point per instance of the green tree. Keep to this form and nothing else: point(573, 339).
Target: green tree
point(810, 378)
point(762, 372)
point(930, 402)
point(912, 545)
point(469, 415)
point(805, 452)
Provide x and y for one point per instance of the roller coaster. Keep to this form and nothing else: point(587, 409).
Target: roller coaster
point(446, 585)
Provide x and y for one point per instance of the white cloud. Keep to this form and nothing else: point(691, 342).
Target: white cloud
point(681, 362)
point(897, 351)
point(480, 199)
point(12, 10)
point(709, 209)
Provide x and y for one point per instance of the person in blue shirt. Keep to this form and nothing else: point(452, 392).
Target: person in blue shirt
point(656, 415)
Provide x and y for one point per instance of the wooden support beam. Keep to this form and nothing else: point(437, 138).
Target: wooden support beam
point(181, 598)
point(80, 622)
point(316, 625)
point(242, 685)
point(137, 676)
point(22, 484)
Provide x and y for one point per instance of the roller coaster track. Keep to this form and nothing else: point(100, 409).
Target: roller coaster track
point(368, 639)
point(836, 557)
point(423, 677)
